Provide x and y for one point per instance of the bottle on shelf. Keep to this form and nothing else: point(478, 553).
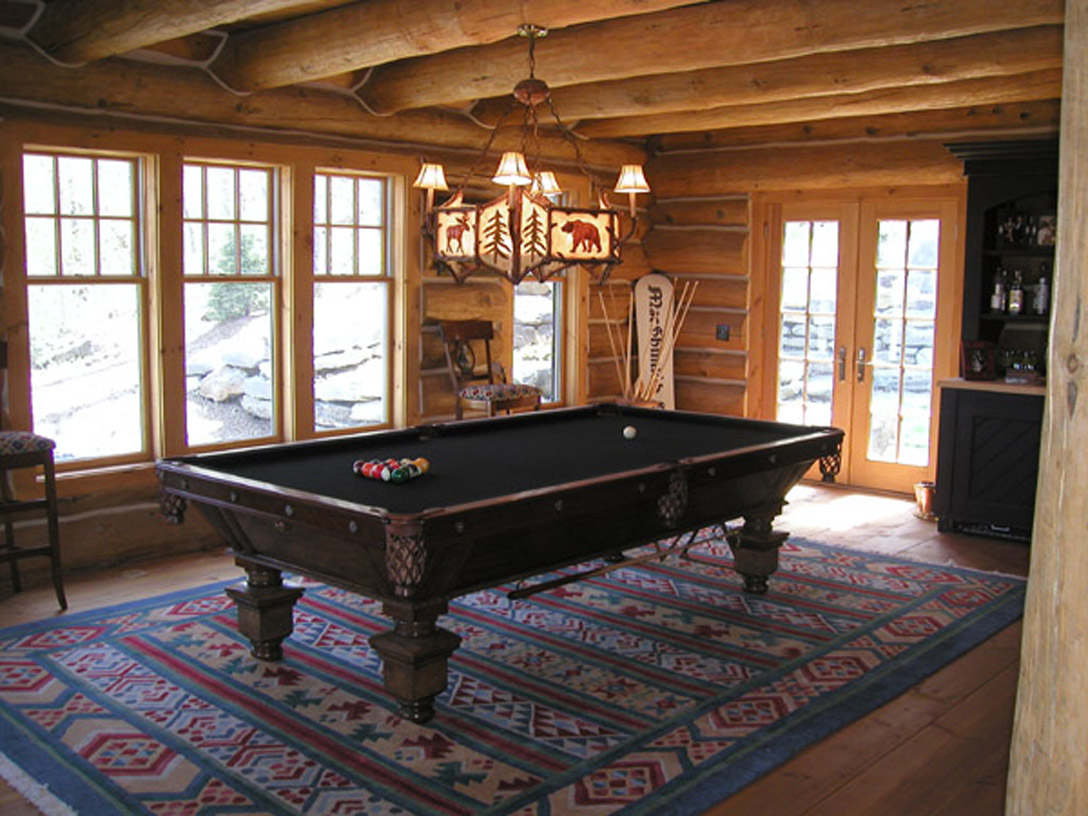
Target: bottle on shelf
point(997, 298)
point(1042, 297)
point(1016, 294)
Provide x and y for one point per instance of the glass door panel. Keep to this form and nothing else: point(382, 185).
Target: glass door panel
point(806, 322)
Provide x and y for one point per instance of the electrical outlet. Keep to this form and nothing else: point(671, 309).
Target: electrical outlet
point(721, 332)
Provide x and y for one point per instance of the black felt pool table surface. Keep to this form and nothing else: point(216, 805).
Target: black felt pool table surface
point(475, 461)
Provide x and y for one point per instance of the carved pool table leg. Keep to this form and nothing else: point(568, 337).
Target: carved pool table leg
point(414, 657)
point(755, 549)
point(265, 609)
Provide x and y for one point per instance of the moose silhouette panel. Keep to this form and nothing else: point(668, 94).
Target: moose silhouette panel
point(457, 232)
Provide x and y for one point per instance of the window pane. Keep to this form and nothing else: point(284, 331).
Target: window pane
point(351, 354)
point(194, 249)
point(537, 320)
point(41, 246)
point(228, 362)
point(76, 185)
point(77, 246)
point(116, 247)
point(342, 261)
point(254, 256)
point(371, 260)
point(889, 292)
point(794, 296)
point(825, 243)
point(321, 192)
point(253, 189)
point(371, 204)
point(38, 185)
point(795, 243)
point(222, 249)
point(891, 244)
point(193, 191)
point(221, 193)
point(85, 368)
point(342, 189)
point(115, 187)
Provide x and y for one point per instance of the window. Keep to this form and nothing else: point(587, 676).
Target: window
point(86, 290)
point(160, 330)
point(352, 294)
point(538, 336)
point(231, 292)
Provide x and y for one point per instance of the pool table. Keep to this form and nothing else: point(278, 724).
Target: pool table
point(504, 499)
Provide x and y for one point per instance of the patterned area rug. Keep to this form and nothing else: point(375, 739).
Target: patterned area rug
point(658, 689)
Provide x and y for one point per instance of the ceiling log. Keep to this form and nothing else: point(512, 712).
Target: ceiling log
point(79, 31)
point(821, 167)
point(995, 54)
point(705, 36)
point(1034, 86)
point(147, 90)
point(379, 31)
point(1020, 117)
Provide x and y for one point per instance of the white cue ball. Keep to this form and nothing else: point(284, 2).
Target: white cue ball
point(630, 432)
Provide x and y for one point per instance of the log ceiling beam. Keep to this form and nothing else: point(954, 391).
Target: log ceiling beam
point(1034, 86)
point(868, 69)
point(380, 31)
point(1027, 118)
point(150, 91)
point(80, 31)
point(704, 36)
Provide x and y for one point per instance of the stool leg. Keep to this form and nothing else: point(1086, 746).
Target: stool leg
point(54, 530)
point(9, 545)
point(9, 532)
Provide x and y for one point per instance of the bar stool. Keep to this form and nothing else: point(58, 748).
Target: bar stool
point(23, 449)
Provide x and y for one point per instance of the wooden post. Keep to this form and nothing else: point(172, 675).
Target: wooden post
point(1047, 771)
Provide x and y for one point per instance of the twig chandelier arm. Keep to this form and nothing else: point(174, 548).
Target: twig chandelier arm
point(524, 231)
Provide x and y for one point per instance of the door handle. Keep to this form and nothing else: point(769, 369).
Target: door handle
point(861, 364)
point(842, 363)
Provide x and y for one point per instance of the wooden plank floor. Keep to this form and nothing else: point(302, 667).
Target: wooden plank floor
point(937, 750)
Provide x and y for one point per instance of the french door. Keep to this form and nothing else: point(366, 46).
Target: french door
point(864, 302)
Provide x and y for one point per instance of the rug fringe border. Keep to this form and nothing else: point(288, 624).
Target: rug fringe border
point(33, 791)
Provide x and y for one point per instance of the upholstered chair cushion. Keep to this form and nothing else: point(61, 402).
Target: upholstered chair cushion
point(498, 392)
point(13, 442)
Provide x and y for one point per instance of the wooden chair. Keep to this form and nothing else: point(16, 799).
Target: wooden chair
point(23, 449)
point(485, 390)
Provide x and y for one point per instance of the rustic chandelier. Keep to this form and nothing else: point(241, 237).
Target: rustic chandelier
point(525, 231)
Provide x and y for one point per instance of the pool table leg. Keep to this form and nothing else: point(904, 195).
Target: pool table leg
point(265, 609)
point(755, 549)
point(414, 656)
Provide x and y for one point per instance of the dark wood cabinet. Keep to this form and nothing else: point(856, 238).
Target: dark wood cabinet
point(988, 458)
point(988, 451)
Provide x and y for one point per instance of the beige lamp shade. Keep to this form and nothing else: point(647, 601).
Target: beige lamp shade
point(512, 171)
point(544, 183)
point(431, 177)
point(632, 180)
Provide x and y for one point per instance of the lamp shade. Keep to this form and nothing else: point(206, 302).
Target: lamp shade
point(632, 180)
point(431, 177)
point(512, 171)
point(544, 183)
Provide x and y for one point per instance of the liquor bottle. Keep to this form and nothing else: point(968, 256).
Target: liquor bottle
point(1042, 297)
point(997, 299)
point(1016, 294)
